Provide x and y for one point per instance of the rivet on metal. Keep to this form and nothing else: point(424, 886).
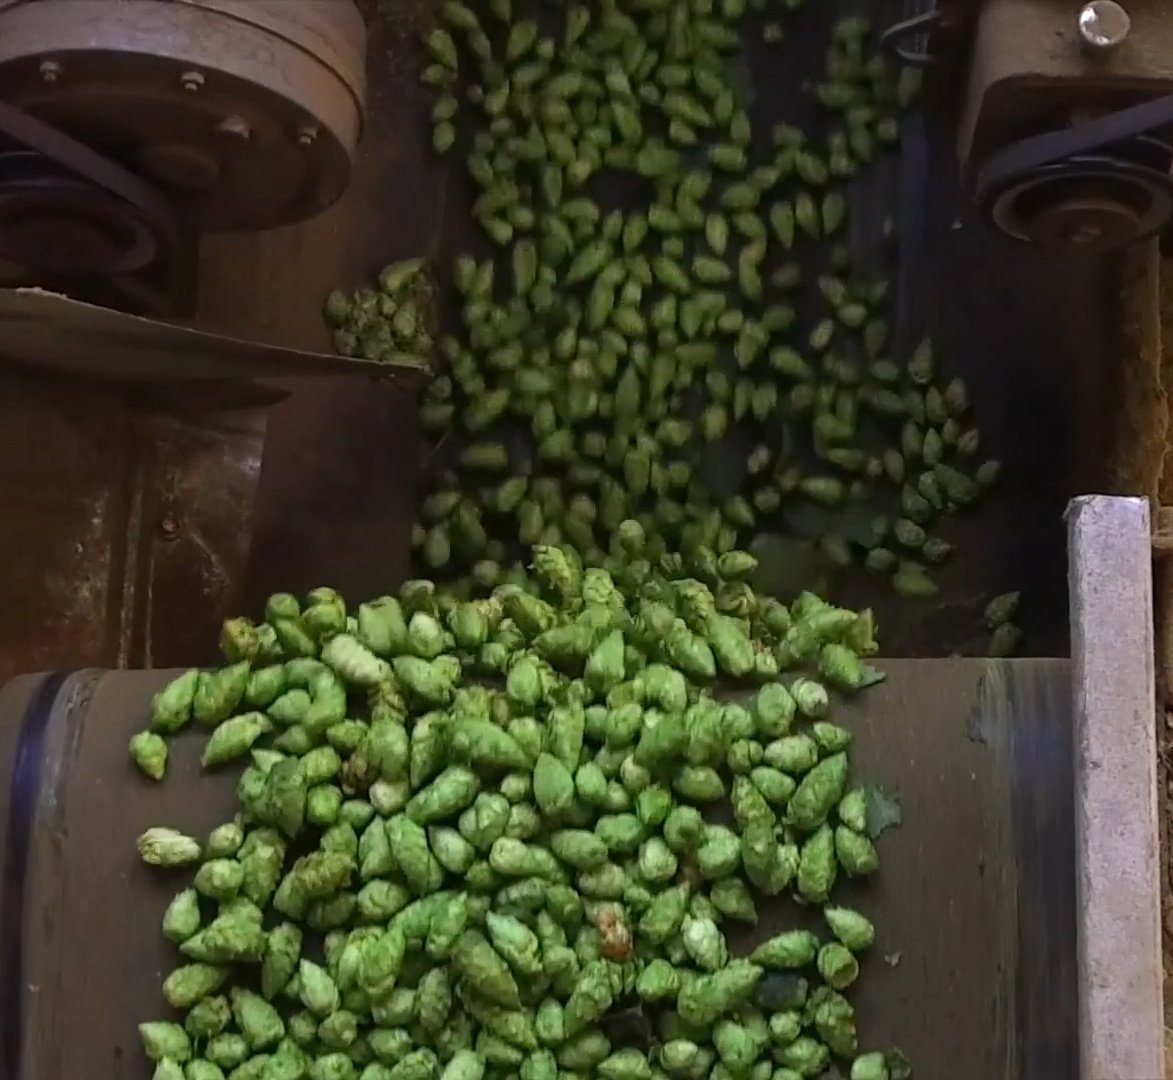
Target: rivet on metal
point(307, 135)
point(235, 125)
point(191, 81)
point(50, 70)
point(1103, 25)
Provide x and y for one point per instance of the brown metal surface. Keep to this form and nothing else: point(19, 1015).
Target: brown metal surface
point(972, 973)
point(63, 336)
point(1029, 74)
point(125, 528)
point(332, 31)
point(337, 492)
point(247, 115)
point(337, 497)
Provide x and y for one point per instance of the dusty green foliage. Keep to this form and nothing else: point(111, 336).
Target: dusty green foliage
point(999, 615)
point(469, 829)
point(605, 352)
point(392, 322)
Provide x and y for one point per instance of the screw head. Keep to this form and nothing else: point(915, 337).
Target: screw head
point(50, 71)
point(236, 126)
point(1103, 25)
point(191, 81)
point(307, 135)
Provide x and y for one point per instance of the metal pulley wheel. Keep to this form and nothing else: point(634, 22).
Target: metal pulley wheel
point(55, 221)
point(1100, 184)
point(1088, 202)
point(242, 114)
point(1064, 113)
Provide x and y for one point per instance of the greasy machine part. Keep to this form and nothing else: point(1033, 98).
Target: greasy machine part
point(74, 221)
point(245, 114)
point(1054, 145)
point(1096, 185)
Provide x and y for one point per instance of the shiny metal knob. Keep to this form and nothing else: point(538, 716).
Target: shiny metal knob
point(1103, 25)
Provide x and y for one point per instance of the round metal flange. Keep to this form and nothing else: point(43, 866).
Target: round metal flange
point(1087, 204)
point(208, 101)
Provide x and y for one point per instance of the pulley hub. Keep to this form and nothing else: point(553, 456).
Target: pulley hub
point(1086, 204)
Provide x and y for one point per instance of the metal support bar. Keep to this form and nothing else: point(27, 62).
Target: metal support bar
point(1116, 821)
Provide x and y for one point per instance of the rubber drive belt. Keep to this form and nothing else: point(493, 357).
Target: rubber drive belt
point(1038, 151)
point(22, 813)
point(90, 165)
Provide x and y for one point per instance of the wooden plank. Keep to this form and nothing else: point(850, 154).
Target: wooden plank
point(973, 904)
point(1116, 826)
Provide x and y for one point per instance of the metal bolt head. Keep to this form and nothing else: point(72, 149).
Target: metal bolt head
point(1103, 25)
point(191, 81)
point(50, 71)
point(236, 126)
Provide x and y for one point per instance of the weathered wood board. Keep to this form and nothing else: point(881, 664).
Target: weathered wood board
point(975, 896)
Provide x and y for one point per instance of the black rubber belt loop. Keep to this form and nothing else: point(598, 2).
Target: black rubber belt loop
point(1056, 146)
point(22, 813)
